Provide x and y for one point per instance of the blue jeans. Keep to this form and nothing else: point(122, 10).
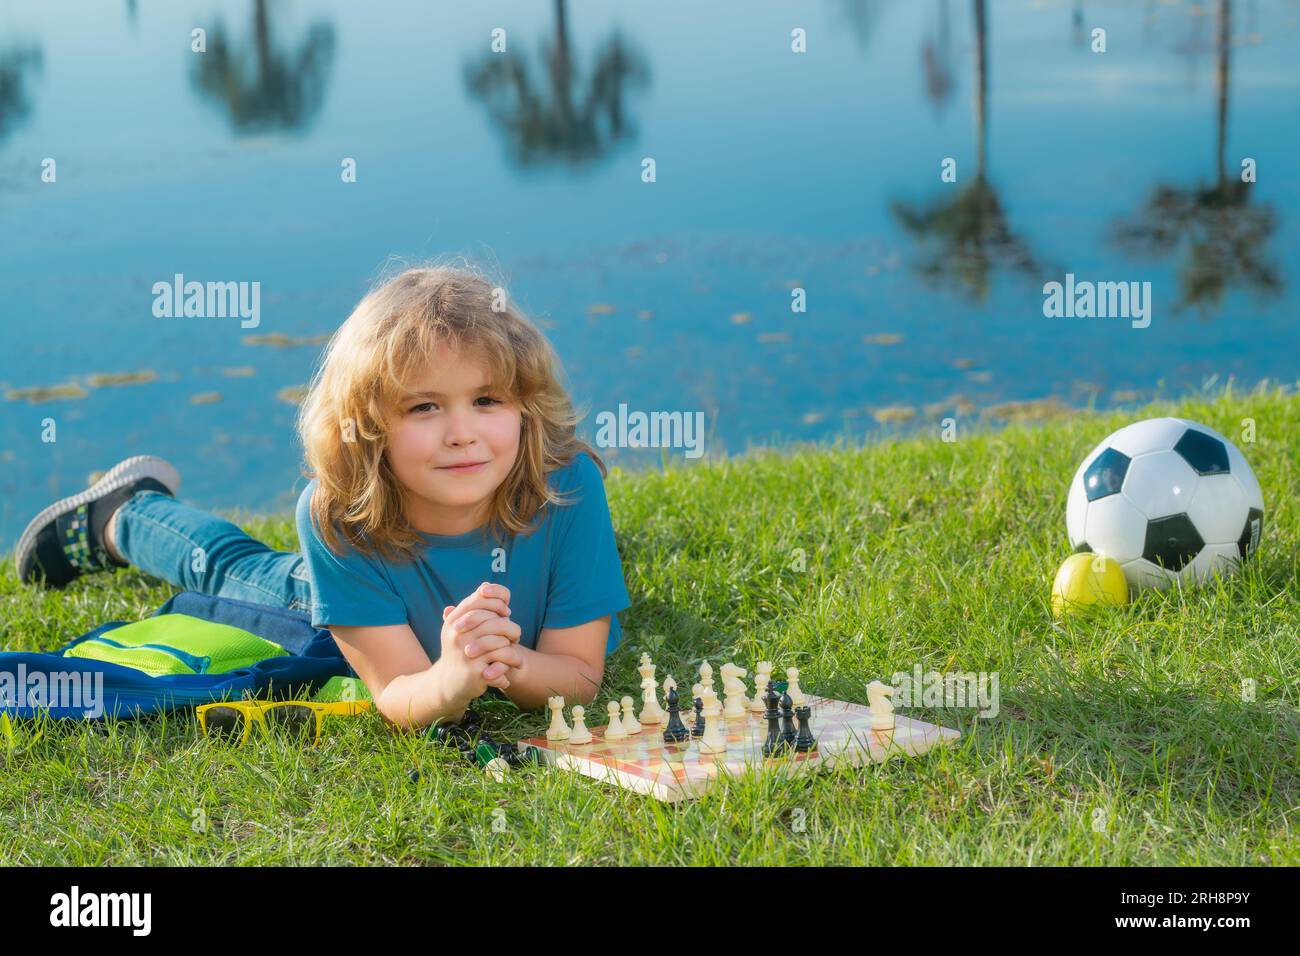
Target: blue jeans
point(201, 552)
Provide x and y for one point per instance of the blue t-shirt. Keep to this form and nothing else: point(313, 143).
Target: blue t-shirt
point(565, 573)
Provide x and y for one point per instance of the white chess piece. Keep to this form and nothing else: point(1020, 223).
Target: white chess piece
point(735, 706)
point(734, 688)
point(793, 689)
point(496, 768)
point(742, 687)
point(651, 713)
point(630, 724)
point(731, 673)
point(882, 708)
point(713, 741)
point(558, 730)
point(706, 677)
point(615, 729)
point(760, 688)
point(580, 734)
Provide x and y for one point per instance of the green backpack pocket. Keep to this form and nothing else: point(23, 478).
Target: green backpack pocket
point(177, 644)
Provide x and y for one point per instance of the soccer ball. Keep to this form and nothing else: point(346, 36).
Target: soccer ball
point(1172, 501)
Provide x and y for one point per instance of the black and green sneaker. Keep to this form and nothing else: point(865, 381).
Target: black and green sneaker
point(66, 540)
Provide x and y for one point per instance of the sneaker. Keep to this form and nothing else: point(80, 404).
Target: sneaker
point(66, 540)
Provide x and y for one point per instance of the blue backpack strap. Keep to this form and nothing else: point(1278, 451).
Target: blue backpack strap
point(291, 629)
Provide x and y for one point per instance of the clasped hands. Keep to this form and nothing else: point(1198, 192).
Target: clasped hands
point(480, 643)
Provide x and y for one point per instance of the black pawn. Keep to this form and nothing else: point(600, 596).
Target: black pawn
point(698, 730)
point(675, 732)
point(774, 744)
point(804, 740)
point(787, 720)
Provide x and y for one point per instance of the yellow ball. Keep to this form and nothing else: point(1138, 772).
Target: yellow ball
point(1086, 579)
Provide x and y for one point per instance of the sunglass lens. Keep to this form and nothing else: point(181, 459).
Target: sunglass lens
point(296, 720)
point(227, 722)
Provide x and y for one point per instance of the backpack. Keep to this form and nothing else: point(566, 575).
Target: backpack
point(195, 649)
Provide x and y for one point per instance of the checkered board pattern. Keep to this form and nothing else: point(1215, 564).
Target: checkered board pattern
point(671, 772)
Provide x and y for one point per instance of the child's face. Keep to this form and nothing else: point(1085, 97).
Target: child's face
point(457, 420)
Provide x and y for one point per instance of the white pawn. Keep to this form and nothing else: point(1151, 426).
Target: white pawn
point(630, 724)
point(558, 730)
point(615, 729)
point(580, 733)
point(882, 708)
point(712, 741)
point(496, 768)
point(793, 689)
point(761, 680)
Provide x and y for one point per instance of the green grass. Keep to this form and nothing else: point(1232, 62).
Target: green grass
point(914, 551)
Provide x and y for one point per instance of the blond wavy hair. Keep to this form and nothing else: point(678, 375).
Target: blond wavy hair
point(364, 375)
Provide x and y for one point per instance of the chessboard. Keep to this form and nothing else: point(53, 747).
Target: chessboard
point(676, 771)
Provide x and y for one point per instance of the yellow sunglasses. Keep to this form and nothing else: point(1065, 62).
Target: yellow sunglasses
point(234, 718)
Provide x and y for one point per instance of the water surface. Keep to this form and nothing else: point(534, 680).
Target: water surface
point(775, 171)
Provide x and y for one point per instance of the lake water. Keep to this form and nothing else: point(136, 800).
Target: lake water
point(775, 171)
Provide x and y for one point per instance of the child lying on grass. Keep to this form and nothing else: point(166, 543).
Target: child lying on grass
point(454, 535)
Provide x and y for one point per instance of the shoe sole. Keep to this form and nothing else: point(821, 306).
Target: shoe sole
point(123, 473)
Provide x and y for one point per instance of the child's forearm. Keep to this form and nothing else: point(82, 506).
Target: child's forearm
point(545, 675)
point(416, 700)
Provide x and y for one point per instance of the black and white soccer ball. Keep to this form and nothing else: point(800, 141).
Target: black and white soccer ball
point(1171, 501)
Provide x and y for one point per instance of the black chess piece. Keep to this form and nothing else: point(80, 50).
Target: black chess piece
point(774, 745)
point(804, 740)
point(466, 734)
point(787, 719)
point(698, 729)
point(458, 736)
point(676, 732)
point(471, 720)
point(517, 755)
point(453, 735)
